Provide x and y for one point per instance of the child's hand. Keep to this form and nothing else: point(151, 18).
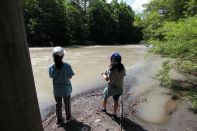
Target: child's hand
point(104, 76)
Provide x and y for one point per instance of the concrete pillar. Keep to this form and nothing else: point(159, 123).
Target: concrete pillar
point(19, 109)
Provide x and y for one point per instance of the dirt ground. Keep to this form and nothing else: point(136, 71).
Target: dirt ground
point(87, 117)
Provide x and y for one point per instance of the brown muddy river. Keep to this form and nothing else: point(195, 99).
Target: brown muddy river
point(89, 61)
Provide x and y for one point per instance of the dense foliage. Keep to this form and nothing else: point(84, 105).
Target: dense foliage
point(171, 27)
point(66, 22)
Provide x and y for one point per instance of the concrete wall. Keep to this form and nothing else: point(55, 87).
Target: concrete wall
point(19, 109)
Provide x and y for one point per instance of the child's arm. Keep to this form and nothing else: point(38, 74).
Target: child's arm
point(51, 72)
point(70, 72)
point(105, 76)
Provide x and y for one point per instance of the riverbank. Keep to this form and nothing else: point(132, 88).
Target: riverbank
point(86, 114)
point(147, 106)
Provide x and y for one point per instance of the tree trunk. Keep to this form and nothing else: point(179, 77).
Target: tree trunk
point(19, 104)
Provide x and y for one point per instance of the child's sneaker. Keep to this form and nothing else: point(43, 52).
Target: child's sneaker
point(114, 116)
point(103, 110)
point(68, 119)
point(59, 121)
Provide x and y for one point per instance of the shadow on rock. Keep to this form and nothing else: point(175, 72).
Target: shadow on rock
point(75, 125)
point(127, 124)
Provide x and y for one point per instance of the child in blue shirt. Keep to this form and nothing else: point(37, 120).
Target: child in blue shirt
point(61, 73)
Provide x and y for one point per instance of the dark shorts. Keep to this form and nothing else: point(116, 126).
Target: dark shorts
point(115, 92)
point(116, 97)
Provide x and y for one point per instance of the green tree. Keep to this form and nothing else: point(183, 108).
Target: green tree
point(191, 8)
point(77, 22)
point(46, 23)
point(65, 22)
point(31, 11)
point(159, 11)
point(100, 21)
point(52, 25)
point(125, 17)
point(110, 22)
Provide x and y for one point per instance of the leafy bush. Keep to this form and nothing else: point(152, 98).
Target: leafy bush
point(180, 41)
point(163, 74)
point(192, 96)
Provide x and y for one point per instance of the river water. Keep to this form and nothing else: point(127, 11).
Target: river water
point(89, 61)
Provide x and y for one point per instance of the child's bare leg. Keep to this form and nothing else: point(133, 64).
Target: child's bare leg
point(115, 106)
point(104, 103)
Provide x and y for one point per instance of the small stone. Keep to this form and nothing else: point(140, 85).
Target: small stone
point(97, 120)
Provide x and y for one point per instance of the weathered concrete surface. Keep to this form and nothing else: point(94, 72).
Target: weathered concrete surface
point(19, 105)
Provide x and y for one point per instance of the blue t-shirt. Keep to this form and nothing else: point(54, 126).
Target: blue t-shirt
point(61, 79)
